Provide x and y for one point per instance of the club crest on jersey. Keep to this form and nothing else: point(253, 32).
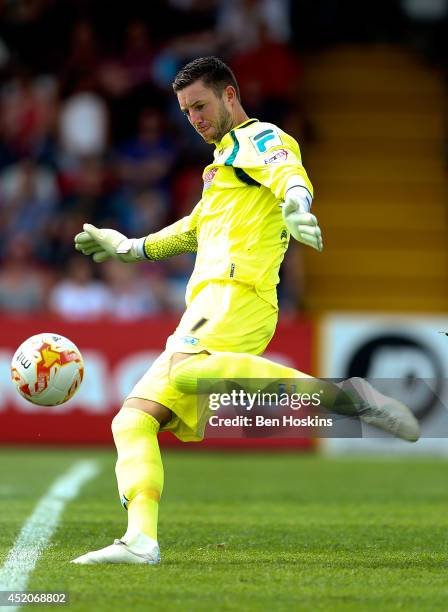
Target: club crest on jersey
point(277, 157)
point(208, 178)
point(265, 140)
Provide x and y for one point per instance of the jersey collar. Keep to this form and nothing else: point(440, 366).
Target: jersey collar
point(245, 124)
point(227, 138)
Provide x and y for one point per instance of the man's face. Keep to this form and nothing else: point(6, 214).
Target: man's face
point(209, 114)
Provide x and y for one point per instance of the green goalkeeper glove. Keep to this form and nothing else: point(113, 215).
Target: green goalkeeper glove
point(105, 244)
point(301, 224)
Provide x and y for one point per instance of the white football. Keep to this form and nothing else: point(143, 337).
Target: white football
point(47, 369)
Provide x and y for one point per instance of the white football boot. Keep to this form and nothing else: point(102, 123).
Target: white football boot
point(141, 549)
point(383, 411)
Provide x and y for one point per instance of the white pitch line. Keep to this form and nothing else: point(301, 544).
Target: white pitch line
point(40, 526)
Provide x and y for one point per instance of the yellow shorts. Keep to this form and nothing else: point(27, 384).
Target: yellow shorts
point(223, 316)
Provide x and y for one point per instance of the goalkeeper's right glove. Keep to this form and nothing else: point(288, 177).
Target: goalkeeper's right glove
point(104, 244)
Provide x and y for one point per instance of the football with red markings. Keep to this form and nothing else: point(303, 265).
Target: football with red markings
point(47, 369)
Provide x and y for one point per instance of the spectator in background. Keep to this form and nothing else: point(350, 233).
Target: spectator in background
point(83, 123)
point(146, 160)
point(190, 25)
point(84, 116)
point(86, 189)
point(239, 21)
point(23, 286)
point(268, 75)
point(125, 78)
point(55, 244)
point(83, 57)
point(28, 199)
point(138, 53)
point(33, 30)
point(28, 114)
point(139, 212)
point(187, 190)
point(78, 296)
point(144, 165)
point(132, 297)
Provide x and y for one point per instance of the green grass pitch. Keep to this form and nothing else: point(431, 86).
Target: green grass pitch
point(247, 532)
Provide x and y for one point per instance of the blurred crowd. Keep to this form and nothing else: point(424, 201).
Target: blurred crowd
point(90, 131)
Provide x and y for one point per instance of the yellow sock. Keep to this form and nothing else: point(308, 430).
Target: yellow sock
point(186, 374)
point(139, 469)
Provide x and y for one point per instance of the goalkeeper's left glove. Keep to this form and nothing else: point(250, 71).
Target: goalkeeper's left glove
point(301, 224)
point(104, 244)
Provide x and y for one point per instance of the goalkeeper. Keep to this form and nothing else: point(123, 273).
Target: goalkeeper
point(256, 195)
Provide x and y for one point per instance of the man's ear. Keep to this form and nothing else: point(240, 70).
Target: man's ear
point(230, 93)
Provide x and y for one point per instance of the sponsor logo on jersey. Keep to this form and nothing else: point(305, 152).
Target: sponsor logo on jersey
point(190, 340)
point(265, 140)
point(208, 178)
point(279, 156)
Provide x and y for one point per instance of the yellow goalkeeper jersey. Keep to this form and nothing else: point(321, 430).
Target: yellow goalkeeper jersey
point(237, 227)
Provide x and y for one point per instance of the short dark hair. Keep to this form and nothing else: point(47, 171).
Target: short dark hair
point(211, 70)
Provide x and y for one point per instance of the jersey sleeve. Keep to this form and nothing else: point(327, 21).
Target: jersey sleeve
point(270, 157)
point(175, 239)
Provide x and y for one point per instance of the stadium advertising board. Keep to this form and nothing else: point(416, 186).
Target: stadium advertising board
point(115, 355)
point(405, 357)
